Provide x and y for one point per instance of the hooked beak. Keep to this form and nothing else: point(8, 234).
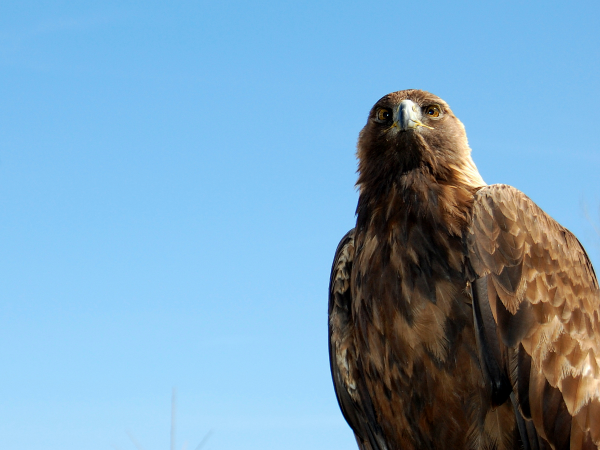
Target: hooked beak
point(408, 116)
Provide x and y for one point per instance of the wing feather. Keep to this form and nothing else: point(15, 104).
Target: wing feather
point(356, 408)
point(545, 301)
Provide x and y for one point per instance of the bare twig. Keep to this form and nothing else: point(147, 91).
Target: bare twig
point(203, 441)
point(135, 442)
point(173, 429)
point(173, 416)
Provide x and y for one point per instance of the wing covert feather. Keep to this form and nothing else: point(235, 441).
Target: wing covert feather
point(545, 301)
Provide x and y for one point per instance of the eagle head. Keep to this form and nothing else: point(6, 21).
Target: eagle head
point(414, 130)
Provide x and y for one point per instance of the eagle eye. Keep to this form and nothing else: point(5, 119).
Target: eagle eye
point(432, 110)
point(383, 115)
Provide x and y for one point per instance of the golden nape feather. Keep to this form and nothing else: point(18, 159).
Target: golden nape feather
point(461, 316)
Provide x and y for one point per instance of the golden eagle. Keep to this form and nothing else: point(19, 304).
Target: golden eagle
point(461, 316)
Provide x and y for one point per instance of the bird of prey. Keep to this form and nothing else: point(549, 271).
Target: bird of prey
point(461, 315)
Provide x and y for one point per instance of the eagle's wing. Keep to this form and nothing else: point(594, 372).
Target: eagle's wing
point(536, 308)
point(356, 408)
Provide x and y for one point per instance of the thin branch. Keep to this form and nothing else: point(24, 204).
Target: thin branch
point(173, 416)
point(203, 441)
point(589, 219)
point(135, 442)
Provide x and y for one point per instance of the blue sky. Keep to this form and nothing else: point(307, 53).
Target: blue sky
point(175, 177)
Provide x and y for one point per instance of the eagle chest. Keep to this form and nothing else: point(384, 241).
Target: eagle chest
point(414, 333)
point(409, 294)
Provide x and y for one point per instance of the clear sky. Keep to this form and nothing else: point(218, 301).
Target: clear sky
point(175, 177)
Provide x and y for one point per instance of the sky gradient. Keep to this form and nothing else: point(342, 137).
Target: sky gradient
point(175, 178)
